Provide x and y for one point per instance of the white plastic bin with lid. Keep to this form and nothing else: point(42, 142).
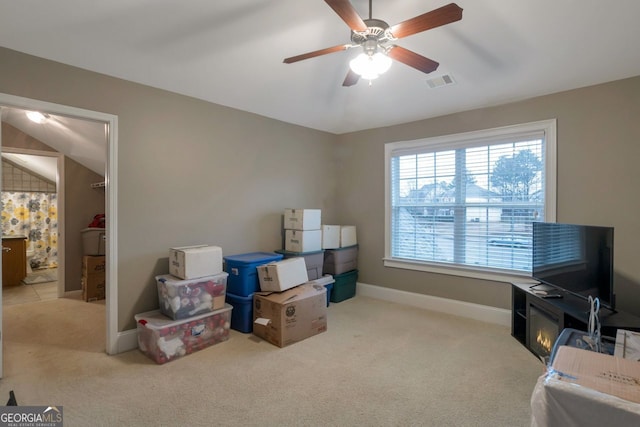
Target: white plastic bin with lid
point(93, 241)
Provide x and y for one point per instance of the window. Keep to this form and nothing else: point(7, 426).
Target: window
point(464, 203)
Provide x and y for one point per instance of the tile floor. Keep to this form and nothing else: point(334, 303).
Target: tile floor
point(22, 293)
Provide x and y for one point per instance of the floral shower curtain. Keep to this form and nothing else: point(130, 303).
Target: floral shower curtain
point(34, 215)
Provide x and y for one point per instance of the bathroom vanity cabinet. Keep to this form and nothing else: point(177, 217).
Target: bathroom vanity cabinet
point(14, 260)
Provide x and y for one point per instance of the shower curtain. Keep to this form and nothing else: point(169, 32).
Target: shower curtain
point(34, 215)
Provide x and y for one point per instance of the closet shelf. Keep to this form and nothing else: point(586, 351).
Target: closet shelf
point(98, 185)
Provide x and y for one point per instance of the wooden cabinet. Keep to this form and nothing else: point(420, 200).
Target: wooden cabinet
point(14, 260)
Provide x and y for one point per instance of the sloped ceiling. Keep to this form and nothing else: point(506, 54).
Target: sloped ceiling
point(82, 140)
point(42, 166)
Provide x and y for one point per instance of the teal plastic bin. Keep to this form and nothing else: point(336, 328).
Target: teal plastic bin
point(344, 286)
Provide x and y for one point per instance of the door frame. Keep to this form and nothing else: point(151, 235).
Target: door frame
point(111, 187)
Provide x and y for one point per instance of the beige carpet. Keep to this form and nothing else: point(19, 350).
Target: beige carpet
point(379, 364)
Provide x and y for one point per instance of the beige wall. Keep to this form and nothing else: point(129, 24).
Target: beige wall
point(189, 171)
point(598, 178)
point(194, 172)
point(81, 204)
point(15, 138)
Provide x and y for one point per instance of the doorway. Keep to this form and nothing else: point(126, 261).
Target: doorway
point(32, 189)
point(109, 125)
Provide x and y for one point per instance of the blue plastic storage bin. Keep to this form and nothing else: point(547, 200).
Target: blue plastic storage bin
point(242, 313)
point(243, 276)
point(329, 288)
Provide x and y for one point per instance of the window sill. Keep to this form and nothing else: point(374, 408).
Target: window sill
point(459, 271)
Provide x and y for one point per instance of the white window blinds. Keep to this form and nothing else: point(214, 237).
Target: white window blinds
point(468, 200)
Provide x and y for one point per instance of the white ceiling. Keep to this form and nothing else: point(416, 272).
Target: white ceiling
point(231, 52)
point(82, 140)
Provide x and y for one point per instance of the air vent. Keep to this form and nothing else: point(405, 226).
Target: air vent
point(443, 80)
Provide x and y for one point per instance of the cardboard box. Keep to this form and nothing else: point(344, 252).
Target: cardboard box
point(279, 276)
point(192, 262)
point(94, 278)
point(583, 387)
point(302, 219)
point(303, 241)
point(94, 287)
point(601, 372)
point(313, 260)
point(627, 345)
point(93, 265)
point(348, 236)
point(287, 317)
point(330, 236)
point(327, 281)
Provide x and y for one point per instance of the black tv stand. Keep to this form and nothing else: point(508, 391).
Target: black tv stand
point(569, 311)
point(541, 284)
point(608, 311)
point(552, 296)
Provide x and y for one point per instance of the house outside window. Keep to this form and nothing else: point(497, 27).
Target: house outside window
point(465, 203)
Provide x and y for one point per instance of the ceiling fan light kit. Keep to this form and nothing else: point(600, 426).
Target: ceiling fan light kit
point(374, 34)
point(370, 66)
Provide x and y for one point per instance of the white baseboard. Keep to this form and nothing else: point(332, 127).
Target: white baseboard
point(73, 294)
point(128, 340)
point(484, 313)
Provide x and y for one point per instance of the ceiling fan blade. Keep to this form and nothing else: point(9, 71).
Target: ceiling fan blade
point(345, 10)
point(351, 79)
point(316, 53)
point(437, 17)
point(412, 59)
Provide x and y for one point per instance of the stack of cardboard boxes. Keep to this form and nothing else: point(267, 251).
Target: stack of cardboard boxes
point(94, 279)
point(289, 308)
point(340, 245)
point(271, 293)
point(303, 238)
point(328, 250)
point(193, 314)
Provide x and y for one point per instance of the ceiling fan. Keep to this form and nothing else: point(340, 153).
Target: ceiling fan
point(374, 35)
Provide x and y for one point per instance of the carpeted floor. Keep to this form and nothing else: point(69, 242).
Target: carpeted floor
point(379, 364)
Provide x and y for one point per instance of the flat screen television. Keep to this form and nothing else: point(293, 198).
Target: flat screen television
point(575, 258)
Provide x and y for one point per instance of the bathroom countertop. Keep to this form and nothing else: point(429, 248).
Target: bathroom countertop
point(17, 236)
